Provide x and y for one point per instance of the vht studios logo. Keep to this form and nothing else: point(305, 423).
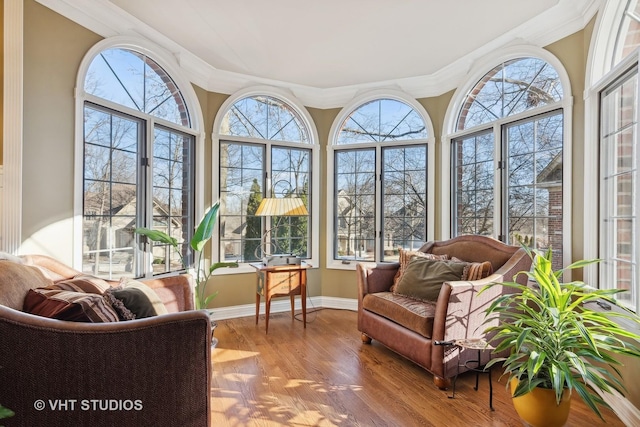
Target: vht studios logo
point(88, 405)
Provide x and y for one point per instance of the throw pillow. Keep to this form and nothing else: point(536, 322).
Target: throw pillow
point(86, 283)
point(477, 270)
point(405, 257)
point(138, 298)
point(423, 277)
point(69, 305)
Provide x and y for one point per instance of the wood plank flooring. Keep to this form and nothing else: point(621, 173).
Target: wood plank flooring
point(324, 376)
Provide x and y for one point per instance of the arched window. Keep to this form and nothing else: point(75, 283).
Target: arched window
point(511, 88)
point(507, 156)
point(138, 152)
point(381, 185)
point(265, 149)
point(611, 154)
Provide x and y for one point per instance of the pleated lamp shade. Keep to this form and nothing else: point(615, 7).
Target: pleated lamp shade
point(284, 206)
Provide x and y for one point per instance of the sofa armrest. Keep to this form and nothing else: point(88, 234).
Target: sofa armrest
point(150, 370)
point(176, 292)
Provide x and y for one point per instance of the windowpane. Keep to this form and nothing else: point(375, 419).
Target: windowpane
point(619, 191)
point(135, 81)
point(173, 198)
point(355, 205)
point(290, 178)
point(535, 183)
point(512, 87)
point(404, 184)
point(110, 194)
point(473, 168)
point(382, 120)
point(241, 190)
point(264, 117)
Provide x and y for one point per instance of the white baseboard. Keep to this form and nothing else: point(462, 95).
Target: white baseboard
point(282, 305)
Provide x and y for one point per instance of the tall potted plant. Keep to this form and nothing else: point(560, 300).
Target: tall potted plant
point(555, 342)
point(201, 236)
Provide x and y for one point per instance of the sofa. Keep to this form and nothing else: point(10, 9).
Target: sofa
point(148, 371)
point(421, 330)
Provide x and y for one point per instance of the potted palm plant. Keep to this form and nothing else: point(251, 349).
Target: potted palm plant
point(201, 236)
point(555, 342)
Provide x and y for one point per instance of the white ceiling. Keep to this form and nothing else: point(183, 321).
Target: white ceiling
point(322, 50)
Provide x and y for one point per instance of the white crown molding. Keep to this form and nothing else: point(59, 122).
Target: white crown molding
point(105, 19)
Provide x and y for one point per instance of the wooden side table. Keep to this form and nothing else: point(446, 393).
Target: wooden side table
point(279, 281)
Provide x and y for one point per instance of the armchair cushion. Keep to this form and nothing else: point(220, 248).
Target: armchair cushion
point(414, 315)
point(68, 305)
point(423, 277)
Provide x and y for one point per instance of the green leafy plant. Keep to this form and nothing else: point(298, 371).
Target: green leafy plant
point(6, 412)
point(201, 236)
point(555, 340)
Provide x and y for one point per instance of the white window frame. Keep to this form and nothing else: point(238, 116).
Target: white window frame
point(169, 64)
point(450, 133)
point(339, 264)
point(600, 73)
point(595, 243)
point(313, 145)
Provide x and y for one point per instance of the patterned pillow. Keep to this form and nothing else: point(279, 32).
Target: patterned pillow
point(69, 305)
point(84, 283)
point(406, 256)
point(477, 270)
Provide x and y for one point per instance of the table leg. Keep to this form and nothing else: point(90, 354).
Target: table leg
point(453, 385)
point(303, 295)
point(257, 306)
point(267, 310)
point(292, 306)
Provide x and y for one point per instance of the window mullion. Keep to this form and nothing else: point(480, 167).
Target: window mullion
point(378, 207)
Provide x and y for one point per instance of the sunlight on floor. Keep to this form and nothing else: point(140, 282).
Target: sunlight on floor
point(304, 402)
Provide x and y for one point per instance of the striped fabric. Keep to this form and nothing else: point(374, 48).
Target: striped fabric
point(477, 270)
point(69, 305)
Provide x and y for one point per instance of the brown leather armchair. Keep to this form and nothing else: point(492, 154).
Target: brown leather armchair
point(458, 312)
point(145, 372)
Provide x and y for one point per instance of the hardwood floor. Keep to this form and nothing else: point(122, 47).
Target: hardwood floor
point(324, 376)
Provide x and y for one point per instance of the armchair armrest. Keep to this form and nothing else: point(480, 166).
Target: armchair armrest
point(375, 277)
point(145, 372)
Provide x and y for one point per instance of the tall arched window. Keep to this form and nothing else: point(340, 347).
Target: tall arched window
point(612, 150)
point(138, 152)
point(381, 184)
point(507, 156)
point(265, 149)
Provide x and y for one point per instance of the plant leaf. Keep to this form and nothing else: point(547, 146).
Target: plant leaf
point(6, 412)
point(205, 228)
point(157, 236)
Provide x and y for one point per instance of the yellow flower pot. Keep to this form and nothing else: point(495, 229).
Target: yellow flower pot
point(539, 409)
